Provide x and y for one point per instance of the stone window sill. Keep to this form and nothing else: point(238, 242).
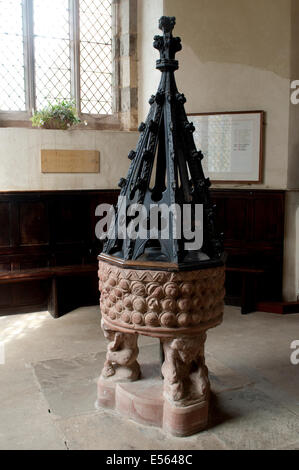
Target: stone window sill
point(103, 122)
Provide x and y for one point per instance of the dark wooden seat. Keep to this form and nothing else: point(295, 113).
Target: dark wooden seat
point(250, 278)
point(245, 270)
point(56, 301)
point(48, 250)
point(46, 273)
point(252, 222)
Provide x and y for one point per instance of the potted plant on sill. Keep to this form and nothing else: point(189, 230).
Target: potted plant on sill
point(60, 115)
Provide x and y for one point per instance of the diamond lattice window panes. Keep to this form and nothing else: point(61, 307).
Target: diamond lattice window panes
point(96, 56)
point(52, 51)
point(12, 84)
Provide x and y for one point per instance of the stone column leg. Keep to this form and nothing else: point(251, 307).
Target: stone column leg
point(120, 366)
point(122, 352)
point(186, 385)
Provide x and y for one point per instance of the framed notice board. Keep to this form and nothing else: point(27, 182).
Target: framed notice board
point(232, 144)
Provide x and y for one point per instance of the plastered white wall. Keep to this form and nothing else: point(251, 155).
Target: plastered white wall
point(238, 55)
point(20, 163)
point(149, 12)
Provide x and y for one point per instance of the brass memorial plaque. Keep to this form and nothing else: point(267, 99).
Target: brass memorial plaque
point(70, 161)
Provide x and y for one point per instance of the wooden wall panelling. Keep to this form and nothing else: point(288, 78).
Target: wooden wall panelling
point(33, 223)
point(49, 230)
point(107, 197)
point(55, 230)
point(253, 227)
point(4, 224)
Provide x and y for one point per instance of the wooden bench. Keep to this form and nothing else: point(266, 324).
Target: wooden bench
point(250, 277)
point(48, 250)
point(56, 301)
point(252, 221)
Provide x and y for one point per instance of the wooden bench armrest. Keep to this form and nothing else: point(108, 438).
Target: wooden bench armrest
point(46, 273)
point(246, 270)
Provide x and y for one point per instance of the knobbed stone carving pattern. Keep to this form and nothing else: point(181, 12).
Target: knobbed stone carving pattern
point(161, 298)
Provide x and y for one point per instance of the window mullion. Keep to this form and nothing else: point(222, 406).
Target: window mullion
point(29, 55)
point(75, 52)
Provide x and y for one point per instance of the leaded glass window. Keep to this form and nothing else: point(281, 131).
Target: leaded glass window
point(56, 49)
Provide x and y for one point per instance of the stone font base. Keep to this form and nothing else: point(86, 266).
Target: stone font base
point(176, 307)
point(143, 402)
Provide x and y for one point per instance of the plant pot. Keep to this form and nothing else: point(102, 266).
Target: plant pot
point(55, 124)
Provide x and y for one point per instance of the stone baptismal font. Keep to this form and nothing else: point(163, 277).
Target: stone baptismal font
point(161, 286)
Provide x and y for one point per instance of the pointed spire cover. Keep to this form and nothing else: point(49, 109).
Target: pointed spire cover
point(165, 169)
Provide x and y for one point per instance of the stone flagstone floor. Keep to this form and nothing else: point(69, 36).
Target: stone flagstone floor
point(48, 385)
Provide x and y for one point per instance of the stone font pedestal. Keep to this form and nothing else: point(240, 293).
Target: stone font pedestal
point(176, 307)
